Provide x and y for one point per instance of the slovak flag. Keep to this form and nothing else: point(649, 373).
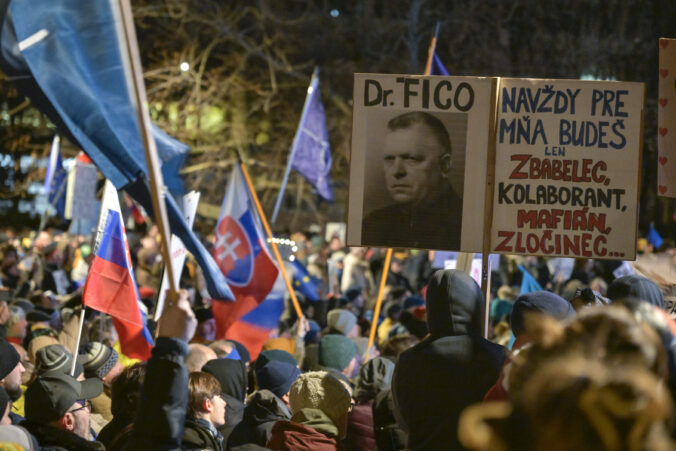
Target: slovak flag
point(241, 254)
point(110, 287)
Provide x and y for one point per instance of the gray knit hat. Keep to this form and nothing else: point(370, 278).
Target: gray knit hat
point(97, 359)
point(55, 357)
point(342, 321)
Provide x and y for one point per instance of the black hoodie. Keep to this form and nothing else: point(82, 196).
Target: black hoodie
point(451, 369)
point(262, 411)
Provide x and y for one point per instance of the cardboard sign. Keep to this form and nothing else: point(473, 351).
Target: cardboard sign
point(666, 120)
point(418, 161)
point(178, 251)
point(568, 159)
point(335, 230)
point(81, 192)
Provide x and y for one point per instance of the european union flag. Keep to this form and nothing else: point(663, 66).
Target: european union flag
point(69, 58)
point(654, 237)
point(56, 178)
point(311, 152)
point(304, 282)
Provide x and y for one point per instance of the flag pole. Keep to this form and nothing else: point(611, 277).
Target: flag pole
point(430, 52)
point(156, 182)
point(77, 342)
point(268, 232)
point(379, 302)
point(294, 146)
point(488, 199)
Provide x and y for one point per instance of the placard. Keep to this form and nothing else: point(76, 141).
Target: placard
point(81, 192)
point(568, 159)
point(666, 119)
point(418, 161)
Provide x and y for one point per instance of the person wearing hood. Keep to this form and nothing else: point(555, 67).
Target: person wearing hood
point(451, 369)
point(319, 405)
point(274, 377)
point(11, 371)
point(232, 376)
point(374, 377)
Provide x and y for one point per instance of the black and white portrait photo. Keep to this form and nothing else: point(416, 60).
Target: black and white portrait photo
point(418, 161)
point(413, 180)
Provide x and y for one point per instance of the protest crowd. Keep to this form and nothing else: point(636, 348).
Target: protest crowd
point(577, 357)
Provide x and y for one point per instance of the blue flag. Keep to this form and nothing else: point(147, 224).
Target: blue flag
point(311, 153)
point(528, 282)
point(56, 178)
point(654, 237)
point(304, 282)
point(65, 55)
point(437, 67)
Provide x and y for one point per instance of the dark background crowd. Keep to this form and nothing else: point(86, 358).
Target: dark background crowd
point(580, 354)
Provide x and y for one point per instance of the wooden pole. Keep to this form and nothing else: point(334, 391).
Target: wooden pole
point(488, 198)
point(430, 51)
point(268, 232)
point(379, 302)
point(487, 306)
point(152, 160)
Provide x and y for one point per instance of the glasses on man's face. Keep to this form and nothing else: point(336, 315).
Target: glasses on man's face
point(85, 404)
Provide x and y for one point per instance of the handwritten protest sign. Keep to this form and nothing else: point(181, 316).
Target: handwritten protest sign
point(567, 168)
point(666, 119)
point(81, 191)
point(418, 161)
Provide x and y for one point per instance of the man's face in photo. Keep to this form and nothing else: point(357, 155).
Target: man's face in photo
point(415, 164)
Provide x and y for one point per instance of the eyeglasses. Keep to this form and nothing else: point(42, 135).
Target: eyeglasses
point(86, 404)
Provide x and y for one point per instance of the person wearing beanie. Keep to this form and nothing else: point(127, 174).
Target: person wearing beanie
point(452, 368)
point(5, 405)
point(527, 306)
point(339, 353)
point(637, 287)
point(102, 361)
point(537, 302)
point(274, 354)
point(342, 322)
point(280, 343)
point(58, 410)
point(277, 377)
point(275, 374)
point(319, 406)
point(56, 358)
point(11, 370)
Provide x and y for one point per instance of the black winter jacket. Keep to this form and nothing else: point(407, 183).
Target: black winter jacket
point(453, 368)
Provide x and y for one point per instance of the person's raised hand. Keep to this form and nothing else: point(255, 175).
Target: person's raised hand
point(4, 312)
point(178, 319)
point(302, 327)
